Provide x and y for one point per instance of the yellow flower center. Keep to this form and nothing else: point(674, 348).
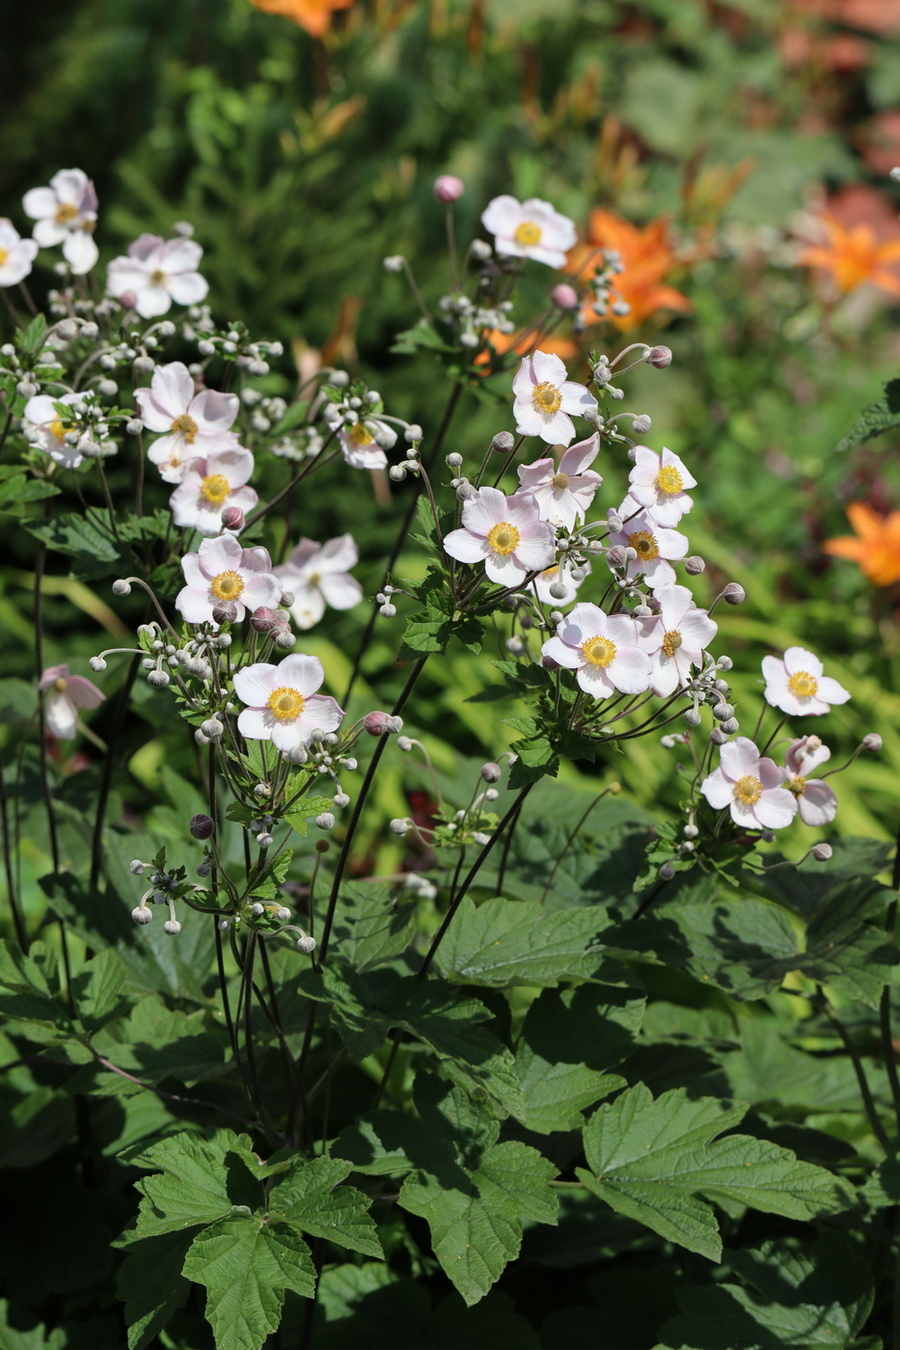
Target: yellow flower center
point(797, 785)
point(215, 488)
point(59, 684)
point(546, 398)
point(528, 234)
point(598, 651)
point(227, 586)
point(185, 426)
point(669, 479)
point(361, 435)
point(286, 704)
point(644, 544)
point(157, 278)
point(560, 480)
point(65, 212)
point(748, 790)
point(503, 538)
point(59, 429)
point(4, 254)
point(803, 685)
point(671, 642)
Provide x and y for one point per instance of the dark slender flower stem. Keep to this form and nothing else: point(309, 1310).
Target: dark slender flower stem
point(108, 764)
point(38, 612)
point(12, 889)
point(865, 1091)
point(569, 841)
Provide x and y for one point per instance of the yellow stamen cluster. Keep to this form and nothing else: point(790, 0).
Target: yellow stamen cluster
point(797, 785)
point(546, 398)
point(157, 278)
point(65, 212)
point(215, 487)
point(560, 480)
point(748, 790)
point(598, 651)
point(4, 254)
point(227, 586)
point(644, 544)
point(185, 426)
point(803, 685)
point(361, 435)
point(286, 704)
point(672, 642)
point(503, 538)
point(528, 234)
point(669, 480)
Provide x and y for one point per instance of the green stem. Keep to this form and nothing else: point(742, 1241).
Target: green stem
point(864, 1089)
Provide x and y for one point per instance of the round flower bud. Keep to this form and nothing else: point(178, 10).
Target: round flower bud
point(734, 594)
point(692, 717)
point(306, 944)
point(142, 914)
point(282, 914)
point(325, 821)
point(731, 726)
point(690, 831)
point(380, 723)
point(233, 519)
point(394, 263)
point(872, 742)
point(399, 827)
point(641, 424)
point(453, 460)
point(549, 664)
point(397, 473)
point(224, 612)
point(287, 599)
point(97, 664)
point(285, 639)
point(480, 249)
point(616, 525)
point(201, 737)
point(387, 611)
point(224, 925)
point(660, 357)
point(821, 852)
point(25, 389)
point(203, 869)
point(322, 846)
point(694, 565)
point(158, 679)
point(341, 799)
point(265, 840)
point(666, 872)
point(481, 839)
point(564, 296)
point(134, 426)
point(465, 492)
point(503, 442)
point(128, 300)
point(212, 728)
point(447, 188)
point(172, 927)
point(718, 736)
point(265, 620)
point(413, 433)
point(722, 712)
point(724, 663)
point(121, 587)
point(257, 909)
point(136, 867)
point(202, 827)
point(490, 772)
point(615, 556)
point(404, 743)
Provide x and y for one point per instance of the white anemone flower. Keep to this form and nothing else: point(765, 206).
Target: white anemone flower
point(48, 429)
point(221, 571)
point(210, 486)
point(156, 272)
point(363, 444)
point(560, 575)
point(653, 545)
point(796, 685)
point(752, 788)
point(507, 533)
point(283, 706)
point(65, 694)
point(544, 398)
point(816, 801)
point(603, 649)
point(659, 482)
point(193, 423)
point(16, 254)
point(675, 639)
point(563, 494)
point(529, 229)
point(66, 213)
point(318, 575)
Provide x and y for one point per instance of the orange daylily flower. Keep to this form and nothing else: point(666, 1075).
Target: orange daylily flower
point(853, 255)
point(313, 15)
point(875, 546)
point(648, 257)
point(523, 344)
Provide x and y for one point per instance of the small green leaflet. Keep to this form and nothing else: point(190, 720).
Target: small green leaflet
point(882, 415)
point(310, 1196)
point(652, 1160)
point(506, 942)
point(201, 1180)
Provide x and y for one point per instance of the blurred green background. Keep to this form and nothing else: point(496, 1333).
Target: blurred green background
point(302, 161)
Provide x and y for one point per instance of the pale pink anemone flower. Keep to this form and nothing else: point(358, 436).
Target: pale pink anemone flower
point(507, 533)
point(675, 639)
point(283, 706)
point(193, 423)
point(529, 229)
point(363, 445)
point(66, 213)
point(221, 571)
point(563, 494)
point(45, 428)
point(318, 575)
point(653, 544)
point(65, 695)
point(603, 649)
point(796, 685)
point(560, 575)
point(16, 254)
point(210, 486)
point(752, 788)
point(156, 272)
point(659, 482)
point(544, 398)
point(816, 801)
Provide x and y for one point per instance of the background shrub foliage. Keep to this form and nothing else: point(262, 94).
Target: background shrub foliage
point(614, 1114)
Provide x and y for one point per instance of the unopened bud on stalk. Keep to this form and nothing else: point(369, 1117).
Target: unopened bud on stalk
point(265, 840)
point(692, 717)
point(283, 913)
point(453, 460)
point(325, 821)
point(158, 679)
point(212, 728)
point(134, 426)
point(515, 645)
point(142, 914)
point(465, 492)
point(202, 827)
point(397, 473)
point(265, 620)
point(666, 872)
point(690, 831)
point(287, 599)
point(694, 565)
point(121, 587)
point(285, 639)
point(447, 188)
point(490, 772)
point(233, 519)
point(136, 867)
point(503, 442)
point(821, 852)
point(97, 664)
point(718, 736)
point(172, 927)
point(394, 263)
point(734, 594)
point(564, 296)
point(381, 723)
point(641, 424)
point(558, 590)
point(615, 556)
point(660, 357)
point(731, 726)
point(404, 743)
point(400, 827)
point(872, 742)
point(306, 944)
point(224, 612)
point(615, 523)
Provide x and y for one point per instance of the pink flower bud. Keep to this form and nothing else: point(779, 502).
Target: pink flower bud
point(381, 723)
point(224, 612)
point(660, 357)
point(128, 300)
point(734, 594)
point(821, 852)
point(202, 827)
point(564, 296)
point(447, 188)
point(233, 519)
point(490, 772)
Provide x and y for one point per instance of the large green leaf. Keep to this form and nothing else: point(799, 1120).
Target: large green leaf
point(310, 1197)
point(372, 925)
point(652, 1160)
point(246, 1265)
point(84, 537)
point(201, 1180)
point(506, 942)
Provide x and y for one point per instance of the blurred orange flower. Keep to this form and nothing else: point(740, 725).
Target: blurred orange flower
point(852, 255)
point(647, 255)
point(523, 344)
point(313, 15)
point(875, 546)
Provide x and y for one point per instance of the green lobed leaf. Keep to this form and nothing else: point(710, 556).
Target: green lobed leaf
point(651, 1160)
point(304, 809)
point(84, 537)
point(152, 1287)
point(310, 1197)
point(882, 415)
point(97, 988)
point(246, 1265)
point(201, 1180)
point(372, 924)
point(506, 942)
